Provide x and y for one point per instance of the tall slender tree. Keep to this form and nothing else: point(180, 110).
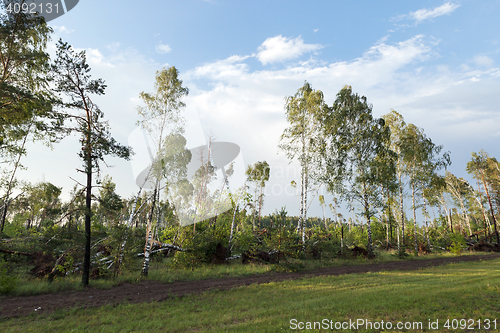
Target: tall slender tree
point(259, 174)
point(162, 120)
point(421, 158)
point(73, 80)
point(397, 125)
point(460, 191)
point(479, 168)
point(299, 140)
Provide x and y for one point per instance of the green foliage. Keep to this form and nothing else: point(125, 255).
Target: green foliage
point(8, 281)
point(457, 244)
point(282, 239)
point(203, 242)
point(25, 98)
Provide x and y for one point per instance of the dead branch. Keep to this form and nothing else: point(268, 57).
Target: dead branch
point(16, 252)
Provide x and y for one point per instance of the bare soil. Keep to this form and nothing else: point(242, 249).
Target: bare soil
point(150, 291)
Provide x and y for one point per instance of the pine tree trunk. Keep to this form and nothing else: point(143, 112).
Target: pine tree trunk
point(88, 212)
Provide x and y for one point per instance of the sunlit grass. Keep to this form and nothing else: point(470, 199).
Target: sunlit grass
point(466, 290)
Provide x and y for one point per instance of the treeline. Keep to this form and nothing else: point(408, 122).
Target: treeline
point(373, 166)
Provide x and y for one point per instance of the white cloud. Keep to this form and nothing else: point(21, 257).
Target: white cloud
point(425, 14)
point(281, 48)
point(62, 30)
point(245, 106)
point(228, 68)
point(483, 60)
point(163, 48)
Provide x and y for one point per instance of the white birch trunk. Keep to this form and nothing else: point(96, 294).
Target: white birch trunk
point(414, 218)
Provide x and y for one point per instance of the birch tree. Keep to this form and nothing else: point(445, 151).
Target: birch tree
point(259, 174)
point(460, 190)
point(421, 161)
point(479, 168)
point(356, 154)
point(298, 140)
point(161, 118)
point(397, 125)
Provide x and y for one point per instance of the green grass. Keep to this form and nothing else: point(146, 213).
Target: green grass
point(160, 271)
point(462, 291)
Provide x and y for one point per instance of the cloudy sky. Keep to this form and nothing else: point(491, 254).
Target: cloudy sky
point(435, 62)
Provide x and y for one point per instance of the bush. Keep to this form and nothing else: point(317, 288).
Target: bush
point(457, 244)
point(8, 282)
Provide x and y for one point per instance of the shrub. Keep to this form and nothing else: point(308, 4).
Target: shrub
point(457, 244)
point(8, 282)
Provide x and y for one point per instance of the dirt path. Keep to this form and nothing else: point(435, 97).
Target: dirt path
point(149, 291)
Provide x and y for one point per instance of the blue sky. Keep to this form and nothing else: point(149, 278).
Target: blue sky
point(435, 62)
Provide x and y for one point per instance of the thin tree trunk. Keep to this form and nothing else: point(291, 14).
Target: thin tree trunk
point(299, 223)
point(324, 217)
point(389, 216)
point(414, 218)
point(402, 211)
point(88, 212)
point(304, 222)
point(260, 203)
point(487, 224)
point(335, 211)
point(426, 227)
point(451, 222)
point(342, 238)
point(448, 213)
point(254, 210)
point(228, 253)
point(397, 233)
point(366, 205)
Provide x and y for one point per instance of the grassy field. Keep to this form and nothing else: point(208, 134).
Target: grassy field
point(161, 271)
point(469, 291)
